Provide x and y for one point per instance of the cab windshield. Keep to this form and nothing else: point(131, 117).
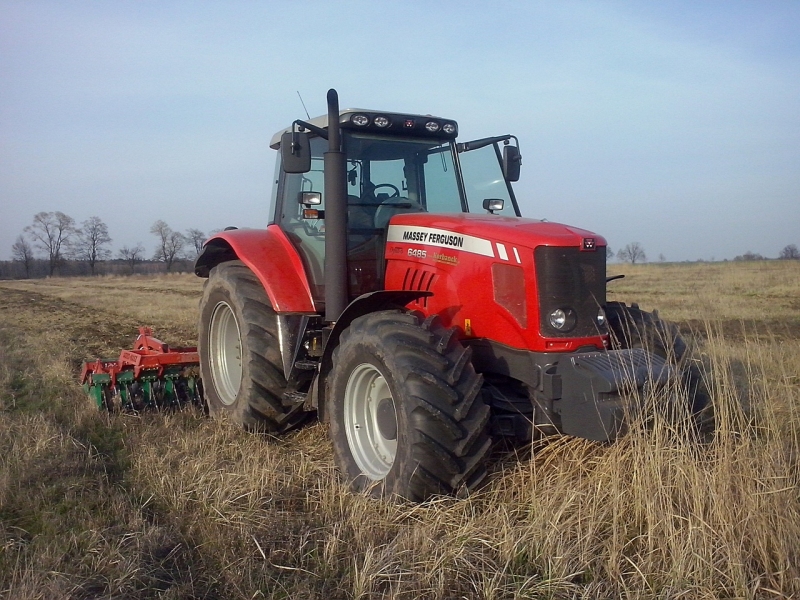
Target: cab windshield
point(390, 175)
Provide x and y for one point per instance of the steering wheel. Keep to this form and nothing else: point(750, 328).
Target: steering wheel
point(395, 191)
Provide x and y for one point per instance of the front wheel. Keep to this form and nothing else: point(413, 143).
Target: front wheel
point(406, 416)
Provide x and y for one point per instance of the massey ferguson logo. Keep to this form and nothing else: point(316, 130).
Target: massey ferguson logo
point(430, 236)
point(439, 239)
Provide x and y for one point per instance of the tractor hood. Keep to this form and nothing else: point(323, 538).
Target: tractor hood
point(438, 230)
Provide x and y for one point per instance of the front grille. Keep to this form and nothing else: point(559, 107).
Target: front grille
point(570, 279)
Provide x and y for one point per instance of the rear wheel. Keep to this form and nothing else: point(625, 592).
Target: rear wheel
point(632, 327)
point(240, 359)
point(406, 415)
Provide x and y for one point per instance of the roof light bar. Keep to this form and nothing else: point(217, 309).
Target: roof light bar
point(400, 124)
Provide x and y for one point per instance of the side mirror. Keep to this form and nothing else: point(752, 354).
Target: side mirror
point(512, 161)
point(296, 152)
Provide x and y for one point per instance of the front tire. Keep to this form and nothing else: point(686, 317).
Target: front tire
point(406, 415)
point(240, 359)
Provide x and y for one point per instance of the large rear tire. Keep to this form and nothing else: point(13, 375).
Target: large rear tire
point(632, 327)
point(240, 359)
point(407, 418)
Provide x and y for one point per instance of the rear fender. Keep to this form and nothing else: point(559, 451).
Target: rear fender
point(270, 255)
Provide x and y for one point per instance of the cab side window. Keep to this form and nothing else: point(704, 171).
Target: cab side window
point(483, 178)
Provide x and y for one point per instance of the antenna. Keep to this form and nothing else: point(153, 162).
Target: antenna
point(304, 105)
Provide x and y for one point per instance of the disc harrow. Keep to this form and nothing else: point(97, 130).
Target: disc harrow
point(151, 375)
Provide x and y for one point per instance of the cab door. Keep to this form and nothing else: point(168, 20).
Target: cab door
point(364, 248)
point(307, 235)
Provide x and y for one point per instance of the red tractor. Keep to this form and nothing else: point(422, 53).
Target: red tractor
point(398, 293)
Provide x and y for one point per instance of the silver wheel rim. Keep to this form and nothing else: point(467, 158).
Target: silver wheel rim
point(366, 392)
point(225, 353)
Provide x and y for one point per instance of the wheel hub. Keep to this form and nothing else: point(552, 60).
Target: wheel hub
point(386, 419)
point(225, 353)
point(370, 421)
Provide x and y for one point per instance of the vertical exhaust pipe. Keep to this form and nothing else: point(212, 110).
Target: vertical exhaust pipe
point(335, 166)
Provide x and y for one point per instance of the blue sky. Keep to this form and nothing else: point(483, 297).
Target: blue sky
point(675, 124)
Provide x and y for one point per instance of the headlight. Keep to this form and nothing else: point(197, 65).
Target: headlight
point(360, 120)
point(432, 126)
point(601, 318)
point(563, 319)
point(558, 319)
point(449, 128)
point(382, 121)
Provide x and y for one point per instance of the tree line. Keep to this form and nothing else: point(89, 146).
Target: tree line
point(634, 253)
point(790, 252)
point(54, 240)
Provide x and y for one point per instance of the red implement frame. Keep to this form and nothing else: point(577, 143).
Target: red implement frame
point(148, 353)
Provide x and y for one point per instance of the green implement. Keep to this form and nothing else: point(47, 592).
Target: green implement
point(151, 375)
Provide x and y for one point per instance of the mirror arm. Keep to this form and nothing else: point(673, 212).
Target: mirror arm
point(475, 144)
point(323, 133)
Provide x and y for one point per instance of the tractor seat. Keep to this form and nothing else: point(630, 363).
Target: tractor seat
point(359, 214)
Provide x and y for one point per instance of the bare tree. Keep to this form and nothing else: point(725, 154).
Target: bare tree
point(90, 242)
point(195, 238)
point(790, 251)
point(662, 258)
point(52, 232)
point(170, 243)
point(609, 253)
point(632, 253)
point(22, 252)
point(131, 256)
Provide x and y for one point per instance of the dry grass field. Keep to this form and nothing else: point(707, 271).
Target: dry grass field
point(175, 506)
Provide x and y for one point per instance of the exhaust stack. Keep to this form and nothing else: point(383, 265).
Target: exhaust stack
point(335, 216)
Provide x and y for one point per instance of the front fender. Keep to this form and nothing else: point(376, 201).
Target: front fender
point(273, 259)
point(367, 303)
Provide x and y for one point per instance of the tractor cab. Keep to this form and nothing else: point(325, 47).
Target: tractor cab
point(395, 164)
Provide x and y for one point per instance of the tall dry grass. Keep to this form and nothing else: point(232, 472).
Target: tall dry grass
point(177, 506)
